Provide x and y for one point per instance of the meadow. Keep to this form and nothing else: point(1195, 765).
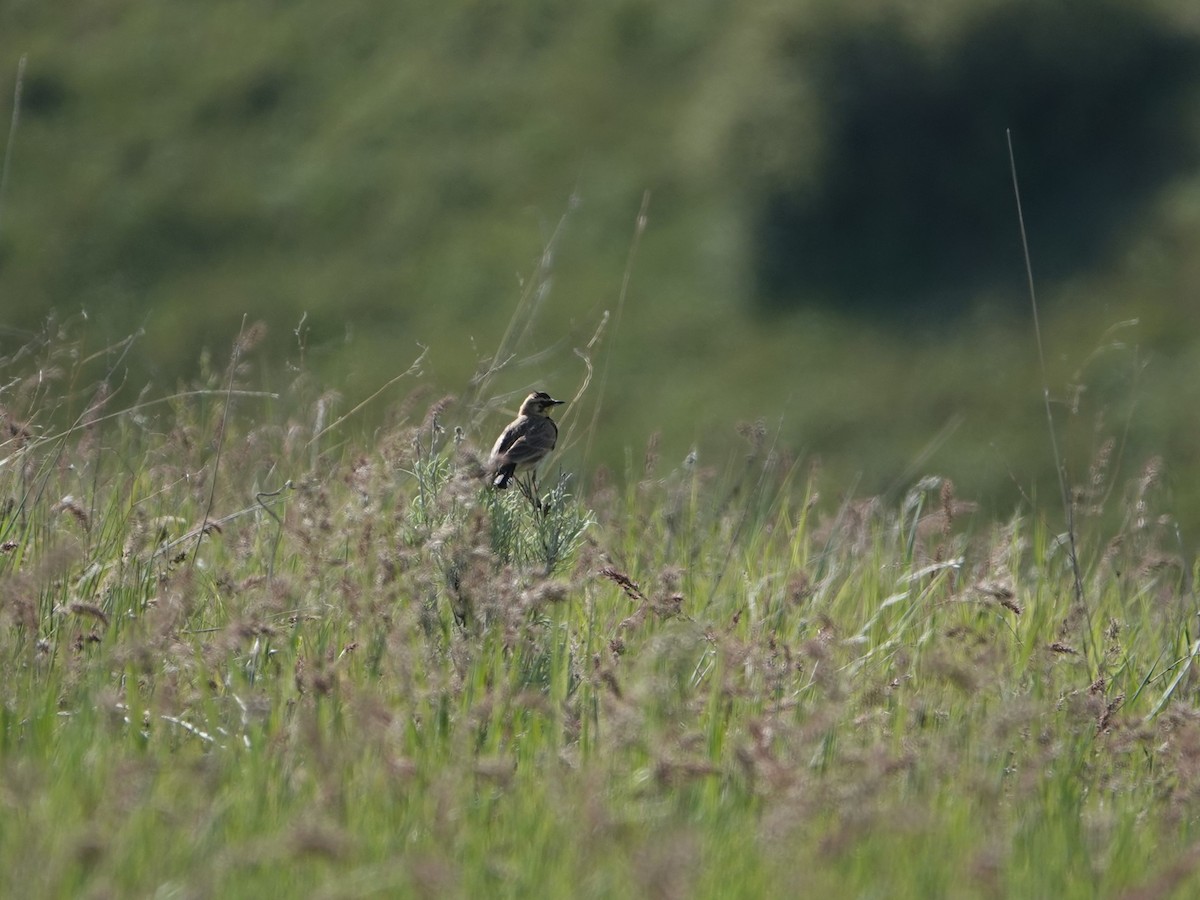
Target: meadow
point(803, 606)
point(250, 647)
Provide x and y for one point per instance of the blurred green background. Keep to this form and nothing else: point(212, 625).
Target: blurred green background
point(831, 241)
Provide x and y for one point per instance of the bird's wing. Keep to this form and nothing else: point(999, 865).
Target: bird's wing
point(508, 438)
point(523, 450)
point(528, 445)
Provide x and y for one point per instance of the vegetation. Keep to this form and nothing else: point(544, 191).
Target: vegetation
point(792, 613)
point(831, 239)
point(244, 648)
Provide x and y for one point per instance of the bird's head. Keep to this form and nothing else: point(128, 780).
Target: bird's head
point(539, 403)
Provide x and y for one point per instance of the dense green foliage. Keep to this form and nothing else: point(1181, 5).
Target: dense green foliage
point(831, 240)
point(230, 666)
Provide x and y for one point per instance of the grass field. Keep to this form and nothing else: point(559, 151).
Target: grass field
point(246, 650)
point(264, 631)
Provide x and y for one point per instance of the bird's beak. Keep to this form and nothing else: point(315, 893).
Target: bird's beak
point(557, 402)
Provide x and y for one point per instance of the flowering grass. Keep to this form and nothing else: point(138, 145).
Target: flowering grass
point(244, 653)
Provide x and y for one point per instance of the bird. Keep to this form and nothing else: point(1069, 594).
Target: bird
point(526, 440)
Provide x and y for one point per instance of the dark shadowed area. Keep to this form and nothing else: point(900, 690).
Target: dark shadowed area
point(912, 205)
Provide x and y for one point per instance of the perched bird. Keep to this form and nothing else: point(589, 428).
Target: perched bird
point(526, 440)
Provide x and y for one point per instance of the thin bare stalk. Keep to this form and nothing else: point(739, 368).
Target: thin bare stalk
point(519, 323)
point(638, 230)
point(414, 369)
point(212, 491)
point(1059, 465)
point(12, 131)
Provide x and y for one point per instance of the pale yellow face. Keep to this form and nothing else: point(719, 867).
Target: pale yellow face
point(539, 403)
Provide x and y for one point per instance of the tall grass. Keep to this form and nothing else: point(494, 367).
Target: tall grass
point(354, 671)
